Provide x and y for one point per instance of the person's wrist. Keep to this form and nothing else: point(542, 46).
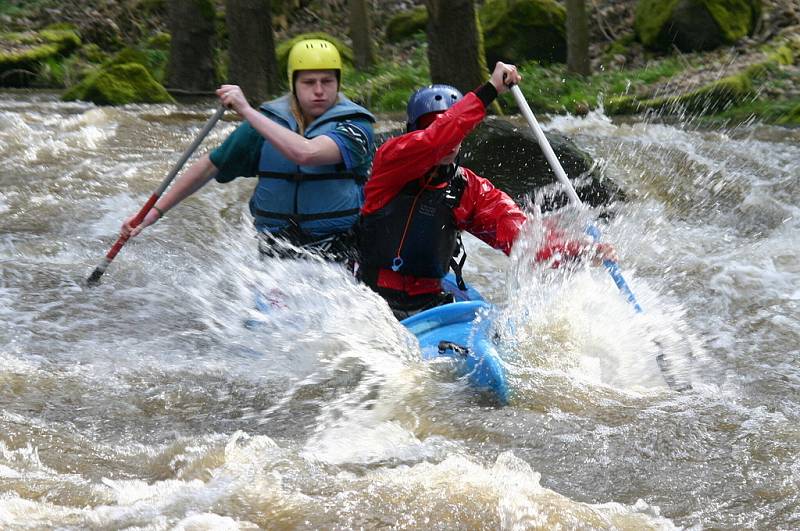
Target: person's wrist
point(486, 93)
point(159, 212)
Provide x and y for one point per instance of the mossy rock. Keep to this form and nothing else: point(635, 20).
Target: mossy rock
point(621, 105)
point(127, 55)
point(517, 31)
point(718, 95)
point(154, 60)
point(406, 23)
point(694, 25)
point(22, 53)
point(159, 41)
point(119, 84)
point(283, 48)
point(712, 98)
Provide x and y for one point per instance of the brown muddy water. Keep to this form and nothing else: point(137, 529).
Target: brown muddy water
point(146, 403)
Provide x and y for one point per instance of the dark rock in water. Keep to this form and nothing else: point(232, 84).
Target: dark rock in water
point(510, 157)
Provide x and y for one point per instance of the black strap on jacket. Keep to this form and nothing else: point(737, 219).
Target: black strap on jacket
point(452, 198)
point(299, 177)
point(298, 218)
point(458, 265)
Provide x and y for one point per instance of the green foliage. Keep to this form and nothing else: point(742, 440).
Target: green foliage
point(551, 89)
point(786, 112)
point(791, 117)
point(715, 97)
point(388, 86)
point(718, 95)
point(406, 23)
point(21, 9)
point(620, 46)
point(160, 41)
point(118, 84)
point(51, 73)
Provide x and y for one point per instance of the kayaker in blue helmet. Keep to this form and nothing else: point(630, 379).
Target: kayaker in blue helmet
point(310, 149)
point(419, 199)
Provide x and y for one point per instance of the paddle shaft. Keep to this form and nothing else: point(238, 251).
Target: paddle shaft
point(137, 220)
point(593, 231)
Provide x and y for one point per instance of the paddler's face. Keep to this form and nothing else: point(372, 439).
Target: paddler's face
point(316, 91)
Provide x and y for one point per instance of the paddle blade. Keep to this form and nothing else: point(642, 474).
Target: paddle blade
point(94, 278)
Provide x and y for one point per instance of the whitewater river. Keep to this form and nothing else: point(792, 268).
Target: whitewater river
point(146, 403)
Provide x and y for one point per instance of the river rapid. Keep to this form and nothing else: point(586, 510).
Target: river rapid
point(146, 403)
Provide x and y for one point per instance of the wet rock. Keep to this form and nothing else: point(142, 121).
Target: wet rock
point(510, 157)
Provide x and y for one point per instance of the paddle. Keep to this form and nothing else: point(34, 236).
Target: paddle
point(592, 230)
point(94, 278)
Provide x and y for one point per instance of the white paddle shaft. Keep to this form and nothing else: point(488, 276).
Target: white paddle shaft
point(545, 145)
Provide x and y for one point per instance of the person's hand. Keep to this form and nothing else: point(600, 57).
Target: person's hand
point(232, 97)
point(129, 231)
point(603, 252)
point(504, 76)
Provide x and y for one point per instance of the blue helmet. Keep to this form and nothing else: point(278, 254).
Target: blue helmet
point(433, 98)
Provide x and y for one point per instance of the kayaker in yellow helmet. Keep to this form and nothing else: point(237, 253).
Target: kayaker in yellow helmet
point(311, 150)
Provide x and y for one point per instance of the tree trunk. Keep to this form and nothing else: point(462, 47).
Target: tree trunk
point(361, 34)
point(191, 52)
point(577, 38)
point(455, 44)
point(251, 48)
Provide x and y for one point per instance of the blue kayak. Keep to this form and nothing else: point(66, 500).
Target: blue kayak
point(462, 331)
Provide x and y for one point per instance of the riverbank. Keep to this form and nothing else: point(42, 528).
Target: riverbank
point(754, 80)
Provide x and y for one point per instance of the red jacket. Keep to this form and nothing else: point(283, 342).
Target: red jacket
point(484, 211)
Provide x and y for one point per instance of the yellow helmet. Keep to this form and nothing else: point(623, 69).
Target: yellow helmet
point(313, 54)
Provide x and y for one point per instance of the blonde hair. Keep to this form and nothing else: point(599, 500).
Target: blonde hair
point(298, 115)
